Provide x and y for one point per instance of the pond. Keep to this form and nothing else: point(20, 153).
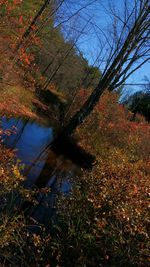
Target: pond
point(42, 167)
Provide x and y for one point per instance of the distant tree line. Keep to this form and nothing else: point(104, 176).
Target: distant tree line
point(49, 51)
point(61, 63)
point(140, 103)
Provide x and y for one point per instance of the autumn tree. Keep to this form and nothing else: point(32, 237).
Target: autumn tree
point(128, 51)
point(49, 51)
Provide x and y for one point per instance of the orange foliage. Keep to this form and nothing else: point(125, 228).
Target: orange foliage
point(25, 57)
point(110, 204)
point(10, 6)
point(110, 125)
point(21, 20)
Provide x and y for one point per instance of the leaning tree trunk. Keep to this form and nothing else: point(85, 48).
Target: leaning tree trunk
point(116, 70)
point(32, 24)
point(85, 110)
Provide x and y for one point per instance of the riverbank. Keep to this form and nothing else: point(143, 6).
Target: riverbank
point(17, 101)
point(21, 102)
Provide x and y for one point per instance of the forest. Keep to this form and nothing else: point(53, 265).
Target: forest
point(74, 134)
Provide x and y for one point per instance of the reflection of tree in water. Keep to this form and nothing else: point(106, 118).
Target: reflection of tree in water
point(13, 130)
point(21, 130)
point(48, 165)
point(64, 161)
point(57, 175)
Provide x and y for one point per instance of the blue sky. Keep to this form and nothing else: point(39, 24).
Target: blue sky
point(89, 41)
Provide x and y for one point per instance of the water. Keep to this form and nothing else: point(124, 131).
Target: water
point(30, 140)
point(41, 166)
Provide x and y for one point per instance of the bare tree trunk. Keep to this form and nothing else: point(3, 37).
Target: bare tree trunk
point(30, 28)
point(111, 78)
point(85, 110)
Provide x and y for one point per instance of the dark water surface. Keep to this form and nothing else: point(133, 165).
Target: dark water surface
point(29, 139)
point(41, 166)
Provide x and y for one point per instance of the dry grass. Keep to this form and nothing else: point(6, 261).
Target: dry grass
point(17, 101)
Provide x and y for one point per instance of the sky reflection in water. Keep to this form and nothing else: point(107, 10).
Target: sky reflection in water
point(29, 140)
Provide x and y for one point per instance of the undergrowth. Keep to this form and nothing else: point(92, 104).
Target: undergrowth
point(105, 220)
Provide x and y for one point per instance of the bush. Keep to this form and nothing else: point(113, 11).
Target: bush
point(106, 218)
